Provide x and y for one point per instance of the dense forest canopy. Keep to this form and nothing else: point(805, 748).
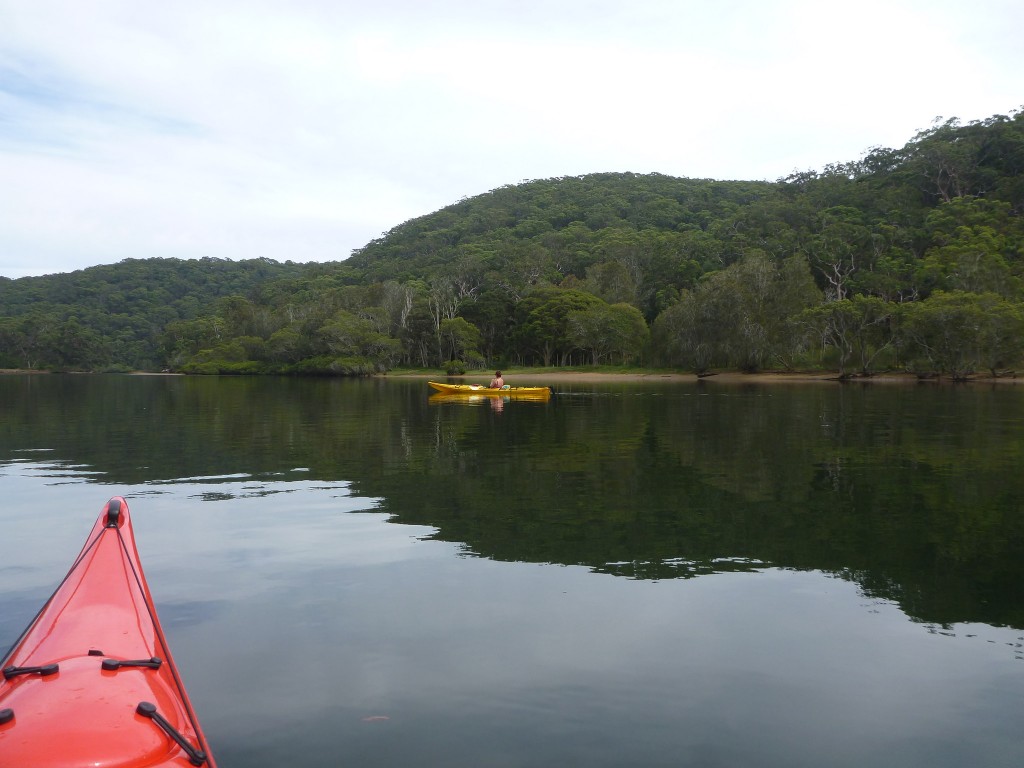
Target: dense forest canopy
point(909, 258)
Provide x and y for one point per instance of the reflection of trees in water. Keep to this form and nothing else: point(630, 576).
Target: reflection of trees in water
point(913, 493)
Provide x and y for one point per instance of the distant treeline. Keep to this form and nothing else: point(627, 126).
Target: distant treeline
point(908, 258)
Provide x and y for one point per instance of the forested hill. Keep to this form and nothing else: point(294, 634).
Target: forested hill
point(887, 261)
point(111, 316)
point(560, 216)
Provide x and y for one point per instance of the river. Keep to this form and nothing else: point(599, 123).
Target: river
point(630, 574)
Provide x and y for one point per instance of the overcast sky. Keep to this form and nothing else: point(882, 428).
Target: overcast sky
point(302, 129)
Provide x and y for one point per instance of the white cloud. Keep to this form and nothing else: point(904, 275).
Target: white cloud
point(301, 130)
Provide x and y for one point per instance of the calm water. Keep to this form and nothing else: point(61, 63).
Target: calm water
point(628, 575)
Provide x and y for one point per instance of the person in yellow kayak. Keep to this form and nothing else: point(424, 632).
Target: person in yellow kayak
point(497, 382)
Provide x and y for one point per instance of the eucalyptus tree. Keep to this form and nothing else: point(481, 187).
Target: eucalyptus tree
point(745, 315)
point(460, 339)
point(690, 333)
point(244, 317)
point(958, 332)
point(516, 269)
point(544, 323)
point(397, 299)
point(648, 268)
point(977, 246)
point(859, 328)
point(609, 331)
point(27, 340)
point(448, 292)
point(1001, 335)
point(183, 338)
point(619, 276)
point(948, 157)
point(288, 346)
point(348, 336)
point(840, 246)
point(492, 314)
point(766, 298)
point(612, 282)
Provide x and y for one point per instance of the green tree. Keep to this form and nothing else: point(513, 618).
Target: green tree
point(958, 332)
point(458, 337)
point(613, 282)
point(947, 156)
point(347, 336)
point(746, 315)
point(288, 345)
point(183, 338)
point(691, 333)
point(859, 328)
point(545, 329)
point(972, 241)
point(79, 347)
point(766, 298)
point(840, 248)
point(31, 339)
point(608, 331)
point(492, 315)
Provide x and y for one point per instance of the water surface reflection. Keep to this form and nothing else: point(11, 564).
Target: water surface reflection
point(351, 575)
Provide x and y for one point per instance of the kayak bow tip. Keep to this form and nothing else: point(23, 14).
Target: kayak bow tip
point(113, 511)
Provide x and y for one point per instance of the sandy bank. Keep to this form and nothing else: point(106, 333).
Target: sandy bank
point(532, 377)
point(529, 378)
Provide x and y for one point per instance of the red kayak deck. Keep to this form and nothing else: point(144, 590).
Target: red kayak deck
point(92, 682)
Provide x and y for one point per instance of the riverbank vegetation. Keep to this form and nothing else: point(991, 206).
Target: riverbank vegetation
point(908, 259)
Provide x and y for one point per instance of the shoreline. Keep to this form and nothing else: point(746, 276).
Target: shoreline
point(526, 378)
point(532, 376)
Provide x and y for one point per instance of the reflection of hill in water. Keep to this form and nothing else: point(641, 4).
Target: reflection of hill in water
point(913, 493)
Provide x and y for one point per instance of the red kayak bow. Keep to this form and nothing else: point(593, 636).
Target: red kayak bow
point(91, 682)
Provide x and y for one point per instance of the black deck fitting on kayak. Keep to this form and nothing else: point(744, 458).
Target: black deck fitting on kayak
point(94, 652)
point(43, 671)
point(146, 709)
point(113, 512)
point(113, 664)
point(6, 715)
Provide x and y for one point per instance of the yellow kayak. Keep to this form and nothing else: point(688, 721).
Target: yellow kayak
point(531, 393)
